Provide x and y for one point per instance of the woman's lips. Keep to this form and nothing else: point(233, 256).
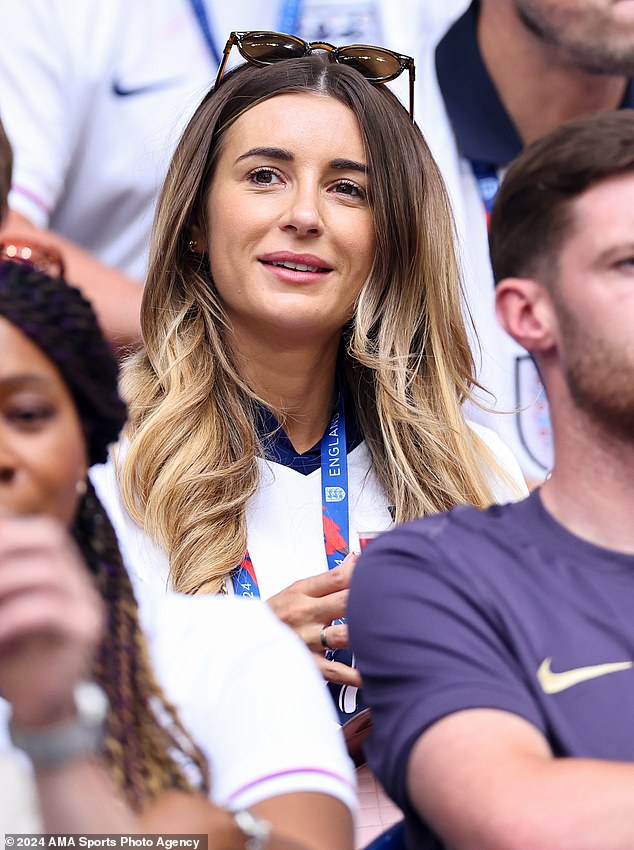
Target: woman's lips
point(296, 268)
point(296, 273)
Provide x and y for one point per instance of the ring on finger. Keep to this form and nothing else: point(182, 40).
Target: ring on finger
point(323, 638)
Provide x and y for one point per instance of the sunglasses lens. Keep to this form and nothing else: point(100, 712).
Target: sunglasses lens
point(375, 64)
point(267, 47)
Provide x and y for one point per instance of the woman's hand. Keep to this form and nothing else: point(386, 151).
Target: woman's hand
point(51, 619)
point(311, 604)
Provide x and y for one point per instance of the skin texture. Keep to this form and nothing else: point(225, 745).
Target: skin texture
point(43, 651)
point(579, 328)
point(553, 60)
point(42, 453)
point(262, 204)
point(596, 35)
point(595, 291)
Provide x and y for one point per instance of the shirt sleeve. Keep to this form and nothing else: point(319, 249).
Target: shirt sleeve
point(426, 644)
point(251, 696)
point(39, 100)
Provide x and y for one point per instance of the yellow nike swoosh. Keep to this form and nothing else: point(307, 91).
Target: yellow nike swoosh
point(554, 683)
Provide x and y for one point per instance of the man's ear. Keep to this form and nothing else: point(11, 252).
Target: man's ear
point(525, 310)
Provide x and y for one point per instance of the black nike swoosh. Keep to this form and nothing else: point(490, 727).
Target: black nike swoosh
point(121, 91)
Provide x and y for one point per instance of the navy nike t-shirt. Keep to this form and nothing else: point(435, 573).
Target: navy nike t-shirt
point(501, 609)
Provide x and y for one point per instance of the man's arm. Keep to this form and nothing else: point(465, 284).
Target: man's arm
point(487, 780)
point(115, 296)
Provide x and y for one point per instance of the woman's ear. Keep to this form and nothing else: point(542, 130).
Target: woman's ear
point(197, 243)
point(524, 308)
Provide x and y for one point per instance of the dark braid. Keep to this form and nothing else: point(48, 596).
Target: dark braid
point(147, 747)
point(139, 747)
point(60, 321)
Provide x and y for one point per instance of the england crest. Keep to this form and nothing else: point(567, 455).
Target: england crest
point(533, 417)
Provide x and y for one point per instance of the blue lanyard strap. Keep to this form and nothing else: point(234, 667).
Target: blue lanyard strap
point(199, 10)
point(334, 493)
point(334, 487)
point(290, 15)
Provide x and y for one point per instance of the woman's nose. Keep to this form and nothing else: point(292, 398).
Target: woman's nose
point(303, 215)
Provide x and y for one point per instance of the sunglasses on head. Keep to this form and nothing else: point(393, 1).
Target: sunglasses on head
point(43, 259)
point(376, 64)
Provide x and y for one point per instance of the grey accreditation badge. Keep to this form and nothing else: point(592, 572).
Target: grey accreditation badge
point(340, 22)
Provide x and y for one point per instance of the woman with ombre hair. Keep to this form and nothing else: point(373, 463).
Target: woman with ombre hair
point(305, 358)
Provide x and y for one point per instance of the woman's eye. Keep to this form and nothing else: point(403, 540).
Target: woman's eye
point(347, 187)
point(30, 417)
point(264, 177)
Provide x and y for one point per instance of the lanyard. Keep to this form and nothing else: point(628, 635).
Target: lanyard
point(290, 16)
point(488, 183)
point(334, 500)
point(198, 8)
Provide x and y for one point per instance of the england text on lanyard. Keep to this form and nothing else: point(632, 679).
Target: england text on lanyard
point(334, 500)
point(202, 19)
point(489, 179)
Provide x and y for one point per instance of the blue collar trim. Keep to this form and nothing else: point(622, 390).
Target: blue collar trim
point(483, 129)
point(279, 449)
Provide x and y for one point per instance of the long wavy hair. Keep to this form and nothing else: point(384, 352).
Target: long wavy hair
point(147, 749)
point(191, 462)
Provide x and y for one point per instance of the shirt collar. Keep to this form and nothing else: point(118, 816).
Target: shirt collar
point(482, 127)
point(279, 449)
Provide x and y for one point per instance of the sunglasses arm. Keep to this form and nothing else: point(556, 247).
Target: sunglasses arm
point(412, 76)
point(225, 56)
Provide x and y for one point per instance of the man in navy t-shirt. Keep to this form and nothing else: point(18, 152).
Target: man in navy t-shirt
point(497, 647)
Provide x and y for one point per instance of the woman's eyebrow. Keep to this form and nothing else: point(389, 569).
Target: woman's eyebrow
point(349, 165)
point(270, 153)
point(286, 156)
point(22, 378)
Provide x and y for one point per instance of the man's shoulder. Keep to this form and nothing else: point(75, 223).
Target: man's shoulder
point(465, 550)
point(466, 528)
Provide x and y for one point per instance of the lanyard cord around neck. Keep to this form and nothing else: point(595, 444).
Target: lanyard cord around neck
point(289, 22)
point(334, 499)
point(200, 12)
point(290, 16)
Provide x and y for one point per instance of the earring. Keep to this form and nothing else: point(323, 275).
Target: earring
point(81, 488)
point(193, 245)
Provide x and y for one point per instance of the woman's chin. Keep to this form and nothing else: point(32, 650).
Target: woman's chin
point(290, 326)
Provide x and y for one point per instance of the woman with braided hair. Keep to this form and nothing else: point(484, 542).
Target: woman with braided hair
point(84, 686)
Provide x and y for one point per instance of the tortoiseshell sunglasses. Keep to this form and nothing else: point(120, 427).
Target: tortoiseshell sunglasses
point(376, 64)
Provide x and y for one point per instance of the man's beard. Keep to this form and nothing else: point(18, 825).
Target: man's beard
point(588, 39)
point(600, 378)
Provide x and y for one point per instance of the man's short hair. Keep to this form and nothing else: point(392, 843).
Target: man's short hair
point(6, 167)
point(531, 217)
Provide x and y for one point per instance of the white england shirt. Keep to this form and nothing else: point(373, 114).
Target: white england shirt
point(285, 536)
point(224, 665)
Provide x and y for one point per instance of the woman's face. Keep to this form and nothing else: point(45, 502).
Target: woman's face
point(291, 235)
point(42, 446)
